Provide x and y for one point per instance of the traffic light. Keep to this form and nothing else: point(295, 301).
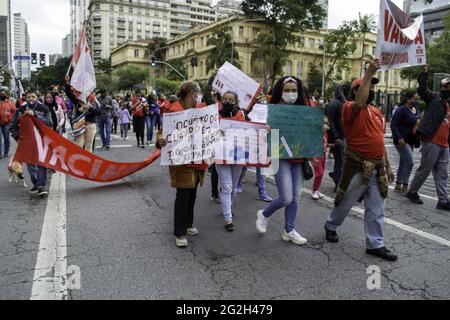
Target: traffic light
point(42, 59)
point(194, 61)
point(153, 61)
point(34, 58)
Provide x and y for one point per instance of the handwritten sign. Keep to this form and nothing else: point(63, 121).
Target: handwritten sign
point(300, 130)
point(243, 143)
point(230, 78)
point(191, 136)
point(259, 113)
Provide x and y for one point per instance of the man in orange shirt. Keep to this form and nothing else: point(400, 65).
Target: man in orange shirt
point(7, 110)
point(367, 172)
point(434, 132)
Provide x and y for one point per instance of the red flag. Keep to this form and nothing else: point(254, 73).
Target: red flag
point(80, 44)
point(40, 145)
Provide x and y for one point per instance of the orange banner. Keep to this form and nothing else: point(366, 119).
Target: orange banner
point(40, 145)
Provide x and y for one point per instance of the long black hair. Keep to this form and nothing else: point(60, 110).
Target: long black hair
point(277, 91)
point(408, 95)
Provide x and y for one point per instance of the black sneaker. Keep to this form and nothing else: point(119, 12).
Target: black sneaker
point(229, 227)
point(143, 147)
point(34, 190)
point(443, 206)
point(42, 192)
point(331, 236)
point(414, 197)
point(107, 147)
point(6, 155)
point(382, 253)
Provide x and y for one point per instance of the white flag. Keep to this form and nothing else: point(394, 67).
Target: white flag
point(21, 91)
point(83, 78)
point(400, 41)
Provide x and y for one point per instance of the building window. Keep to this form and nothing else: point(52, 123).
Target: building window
point(289, 68)
point(311, 43)
point(241, 31)
point(255, 32)
point(131, 9)
point(299, 69)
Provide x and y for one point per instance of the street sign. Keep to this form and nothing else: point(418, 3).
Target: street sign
point(21, 57)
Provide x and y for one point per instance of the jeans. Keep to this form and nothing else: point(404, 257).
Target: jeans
point(228, 178)
point(38, 175)
point(104, 126)
point(406, 164)
point(150, 121)
point(4, 130)
point(184, 211)
point(214, 181)
point(338, 154)
point(289, 179)
point(124, 130)
point(373, 205)
point(261, 180)
point(239, 185)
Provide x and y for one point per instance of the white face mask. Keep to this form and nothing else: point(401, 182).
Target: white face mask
point(199, 99)
point(290, 97)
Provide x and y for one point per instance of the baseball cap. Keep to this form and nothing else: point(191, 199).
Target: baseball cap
point(358, 82)
point(445, 81)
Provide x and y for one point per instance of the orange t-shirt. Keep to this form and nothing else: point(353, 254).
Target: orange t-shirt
point(364, 132)
point(441, 136)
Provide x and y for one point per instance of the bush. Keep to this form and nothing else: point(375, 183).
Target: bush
point(168, 87)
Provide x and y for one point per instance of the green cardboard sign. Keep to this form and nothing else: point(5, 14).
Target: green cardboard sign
point(300, 129)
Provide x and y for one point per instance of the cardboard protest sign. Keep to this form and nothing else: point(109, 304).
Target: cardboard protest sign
point(259, 113)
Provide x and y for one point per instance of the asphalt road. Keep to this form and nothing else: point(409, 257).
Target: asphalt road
point(119, 235)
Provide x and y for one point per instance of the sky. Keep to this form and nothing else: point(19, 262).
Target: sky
point(49, 21)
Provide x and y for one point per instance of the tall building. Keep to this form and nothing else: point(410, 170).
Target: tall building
point(225, 8)
point(324, 3)
point(433, 14)
point(52, 58)
point(21, 47)
point(78, 14)
point(65, 46)
point(112, 23)
point(5, 32)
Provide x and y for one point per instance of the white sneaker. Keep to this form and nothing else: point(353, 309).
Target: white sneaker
point(315, 195)
point(294, 237)
point(181, 242)
point(261, 222)
point(321, 196)
point(192, 231)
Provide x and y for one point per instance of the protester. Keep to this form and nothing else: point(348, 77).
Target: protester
point(185, 178)
point(151, 117)
point(124, 119)
point(105, 118)
point(57, 113)
point(404, 123)
point(138, 109)
point(434, 132)
point(289, 178)
point(7, 110)
point(33, 108)
point(163, 104)
point(115, 120)
point(83, 115)
point(229, 173)
point(319, 165)
point(336, 133)
point(366, 172)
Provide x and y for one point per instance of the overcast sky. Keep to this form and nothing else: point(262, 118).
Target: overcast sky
point(49, 21)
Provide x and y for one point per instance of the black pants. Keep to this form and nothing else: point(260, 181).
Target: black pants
point(139, 128)
point(114, 128)
point(184, 210)
point(338, 154)
point(214, 181)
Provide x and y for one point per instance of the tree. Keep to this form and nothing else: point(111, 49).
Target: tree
point(314, 79)
point(104, 65)
point(106, 81)
point(438, 54)
point(49, 75)
point(178, 65)
point(284, 19)
point(339, 45)
point(364, 25)
point(130, 76)
point(155, 49)
point(223, 50)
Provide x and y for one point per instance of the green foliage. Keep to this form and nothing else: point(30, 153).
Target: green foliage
point(49, 75)
point(154, 48)
point(410, 73)
point(169, 87)
point(314, 79)
point(129, 76)
point(365, 24)
point(106, 81)
point(223, 50)
point(104, 65)
point(178, 65)
point(438, 54)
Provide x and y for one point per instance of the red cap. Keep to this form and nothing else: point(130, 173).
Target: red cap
point(358, 82)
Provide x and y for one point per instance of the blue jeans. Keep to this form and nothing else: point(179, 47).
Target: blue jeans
point(261, 180)
point(4, 131)
point(38, 175)
point(150, 121)
point(406, 164)
point(289, 180)
point(373, 205)
point(104, 125)
point(228, 180)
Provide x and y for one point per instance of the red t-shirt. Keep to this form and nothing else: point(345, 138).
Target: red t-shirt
point(138, 110)
point(364, 132)
point(238, 116)
point(441, 136)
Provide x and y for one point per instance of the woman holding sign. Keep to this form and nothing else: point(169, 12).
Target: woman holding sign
point(229, 173)
point(185, 178)
point(289, 178)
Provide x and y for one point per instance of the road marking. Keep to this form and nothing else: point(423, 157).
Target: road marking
point(421, 195)
point(116, 146)
point(358, 212)
point(49, 281)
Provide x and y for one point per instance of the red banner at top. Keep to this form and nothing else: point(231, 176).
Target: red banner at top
point(40, 145)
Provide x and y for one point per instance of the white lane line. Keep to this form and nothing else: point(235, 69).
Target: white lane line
point(49, 281)
point(116, 146)
point(358, 212)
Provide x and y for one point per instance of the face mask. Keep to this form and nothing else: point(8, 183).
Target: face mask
point(445, 94)
point(371, 96)
point(228, 107)
point(290, 97)
point(2, 97)
point(199, 99)
point(415, 104)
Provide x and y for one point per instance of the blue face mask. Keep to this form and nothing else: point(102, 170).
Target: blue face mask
point(415, 104)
